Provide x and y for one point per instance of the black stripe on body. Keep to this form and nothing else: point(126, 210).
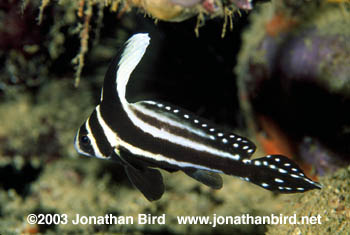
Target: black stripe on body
point(134, 136)
point(102, 143)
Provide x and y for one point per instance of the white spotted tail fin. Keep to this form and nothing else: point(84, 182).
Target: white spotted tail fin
point(278, 173)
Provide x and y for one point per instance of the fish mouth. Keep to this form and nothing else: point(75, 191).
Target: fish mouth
point(77, 147)
point(76, 144)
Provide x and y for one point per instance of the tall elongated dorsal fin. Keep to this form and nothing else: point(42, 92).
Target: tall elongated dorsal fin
point(121, 67)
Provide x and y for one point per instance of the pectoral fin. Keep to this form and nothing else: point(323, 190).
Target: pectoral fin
point(148, 181)
point(210, 179)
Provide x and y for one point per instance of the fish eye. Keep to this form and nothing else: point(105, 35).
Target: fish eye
point(84, 139)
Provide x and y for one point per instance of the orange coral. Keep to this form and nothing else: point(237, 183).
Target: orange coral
point(162, 9)
point(274, 141)
point(279, 23)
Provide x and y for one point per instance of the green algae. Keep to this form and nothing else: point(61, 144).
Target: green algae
point(34, 130)
point(86, 187)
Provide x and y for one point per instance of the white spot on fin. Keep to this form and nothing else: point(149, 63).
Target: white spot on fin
point(279, 180)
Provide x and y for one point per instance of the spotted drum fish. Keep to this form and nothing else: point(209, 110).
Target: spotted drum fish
point(146, 135)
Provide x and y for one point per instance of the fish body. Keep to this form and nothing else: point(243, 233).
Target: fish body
point(146, 135)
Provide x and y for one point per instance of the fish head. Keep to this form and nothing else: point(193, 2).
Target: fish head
point(91, 141)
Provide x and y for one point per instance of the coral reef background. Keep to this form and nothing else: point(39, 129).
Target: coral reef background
point(53, 56)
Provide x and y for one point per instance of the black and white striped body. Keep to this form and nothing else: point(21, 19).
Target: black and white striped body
point(148, 134)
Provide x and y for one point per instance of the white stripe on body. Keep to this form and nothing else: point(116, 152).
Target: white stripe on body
point(167, 120)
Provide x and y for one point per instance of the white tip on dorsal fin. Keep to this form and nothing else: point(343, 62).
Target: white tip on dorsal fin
point(131, 56)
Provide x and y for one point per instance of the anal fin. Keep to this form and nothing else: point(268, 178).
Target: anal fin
point(210, 179)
